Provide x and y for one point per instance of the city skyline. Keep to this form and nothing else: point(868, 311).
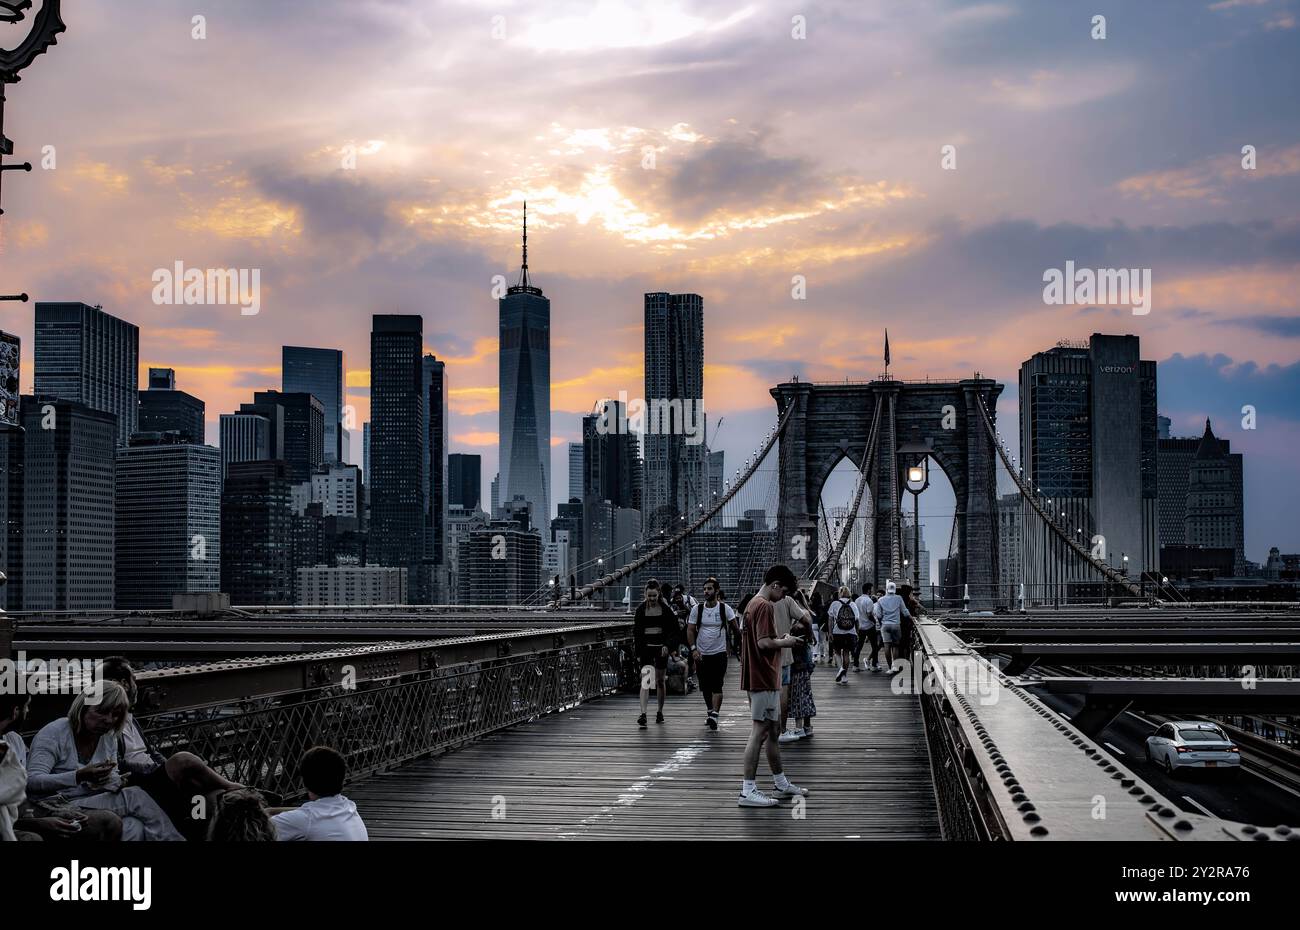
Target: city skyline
point(736, 205)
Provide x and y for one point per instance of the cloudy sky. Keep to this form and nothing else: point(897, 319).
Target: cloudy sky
point(772, 156)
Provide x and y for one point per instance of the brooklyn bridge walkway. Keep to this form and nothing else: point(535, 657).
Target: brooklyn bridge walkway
point(590, 773)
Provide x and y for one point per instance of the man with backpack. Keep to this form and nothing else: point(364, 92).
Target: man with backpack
point(844, 631)
point(707, 628)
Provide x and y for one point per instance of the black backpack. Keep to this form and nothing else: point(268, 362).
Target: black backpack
point(845, 618)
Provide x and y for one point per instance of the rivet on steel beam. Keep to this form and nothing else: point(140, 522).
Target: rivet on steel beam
point(1039, 830)
point(1183, 825)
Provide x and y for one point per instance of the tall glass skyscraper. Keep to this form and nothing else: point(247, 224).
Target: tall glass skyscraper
point(90, 357)
point(435, 456)
point(1088, 440)
point(524, 422)
point(676, 473)
point(168, 533)
point(464, 480)
point(399, 486)
point(323, 373)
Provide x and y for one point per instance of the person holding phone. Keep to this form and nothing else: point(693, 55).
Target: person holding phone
point(74, 760)
point(800, 705)
point(760, 675)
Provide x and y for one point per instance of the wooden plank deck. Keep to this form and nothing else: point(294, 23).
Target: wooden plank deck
point(589, 773)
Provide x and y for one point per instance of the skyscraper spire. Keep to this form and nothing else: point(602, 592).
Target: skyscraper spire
point(523, 272)
point(525, 285)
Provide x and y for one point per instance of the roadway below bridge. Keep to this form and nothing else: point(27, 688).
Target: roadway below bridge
point(1246, 797)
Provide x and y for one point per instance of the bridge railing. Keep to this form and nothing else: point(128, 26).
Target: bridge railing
point(1005, 766)
point(378, 706)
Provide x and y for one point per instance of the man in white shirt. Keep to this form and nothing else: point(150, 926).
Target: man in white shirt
point(327, 814)
point(706, 633)
point(867, 633)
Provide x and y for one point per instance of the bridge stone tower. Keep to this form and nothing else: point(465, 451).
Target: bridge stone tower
point(830, 422)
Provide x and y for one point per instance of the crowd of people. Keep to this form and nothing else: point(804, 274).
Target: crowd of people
point(92, 775)
point(779, 635)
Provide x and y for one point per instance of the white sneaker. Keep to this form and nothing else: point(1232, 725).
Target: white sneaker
point(756, 798)
point(790, 791)
point(789, 736)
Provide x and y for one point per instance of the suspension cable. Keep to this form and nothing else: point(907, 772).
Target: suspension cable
point(1105, 570)
point(637, 564)
point(868, 458)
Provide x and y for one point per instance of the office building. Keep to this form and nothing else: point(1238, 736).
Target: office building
point(337, 487)
point(435, 392)
point(1011, 543)
point(11, 473)
point(717, 476)
point(399, 484)
point(68, 513)
point(576, 469)
point(464, 480)
point(168, 531)
point(512, 578)
point(365, 452)
point(89, 357)
point(612, 468)
point(676, 476)
point(164, 409)
point(257, 533)
point(1202, 503)
point(245, 437)
point(303, 435)
point(349, 585)
point(524, 419)
point(460, 522)
point(1088, 440)
point(323, 374)
point(1214, 518)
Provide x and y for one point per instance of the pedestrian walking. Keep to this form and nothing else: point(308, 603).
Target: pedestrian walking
point(890, 611)
point(654, 635)
point(707, 629)
point(867, 632)
point(844, 632)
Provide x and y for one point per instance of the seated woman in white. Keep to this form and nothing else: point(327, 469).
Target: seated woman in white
point(76, 757)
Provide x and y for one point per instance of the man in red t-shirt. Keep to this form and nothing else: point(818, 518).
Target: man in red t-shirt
point(760, 675)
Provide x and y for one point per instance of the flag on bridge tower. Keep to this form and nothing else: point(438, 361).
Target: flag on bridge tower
point(886, 348)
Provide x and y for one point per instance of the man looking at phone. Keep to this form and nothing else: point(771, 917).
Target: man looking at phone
point(760, 675)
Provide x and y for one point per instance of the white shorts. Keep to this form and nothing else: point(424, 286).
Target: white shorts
point(765, 705)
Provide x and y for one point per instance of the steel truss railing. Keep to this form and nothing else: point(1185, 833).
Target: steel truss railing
point(381, 723)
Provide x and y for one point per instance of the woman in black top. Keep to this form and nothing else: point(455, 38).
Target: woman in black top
point(654, 635)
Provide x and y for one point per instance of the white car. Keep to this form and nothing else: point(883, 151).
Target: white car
point(1192, 744)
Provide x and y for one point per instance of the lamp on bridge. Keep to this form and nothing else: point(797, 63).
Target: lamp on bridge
point(918, 479)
